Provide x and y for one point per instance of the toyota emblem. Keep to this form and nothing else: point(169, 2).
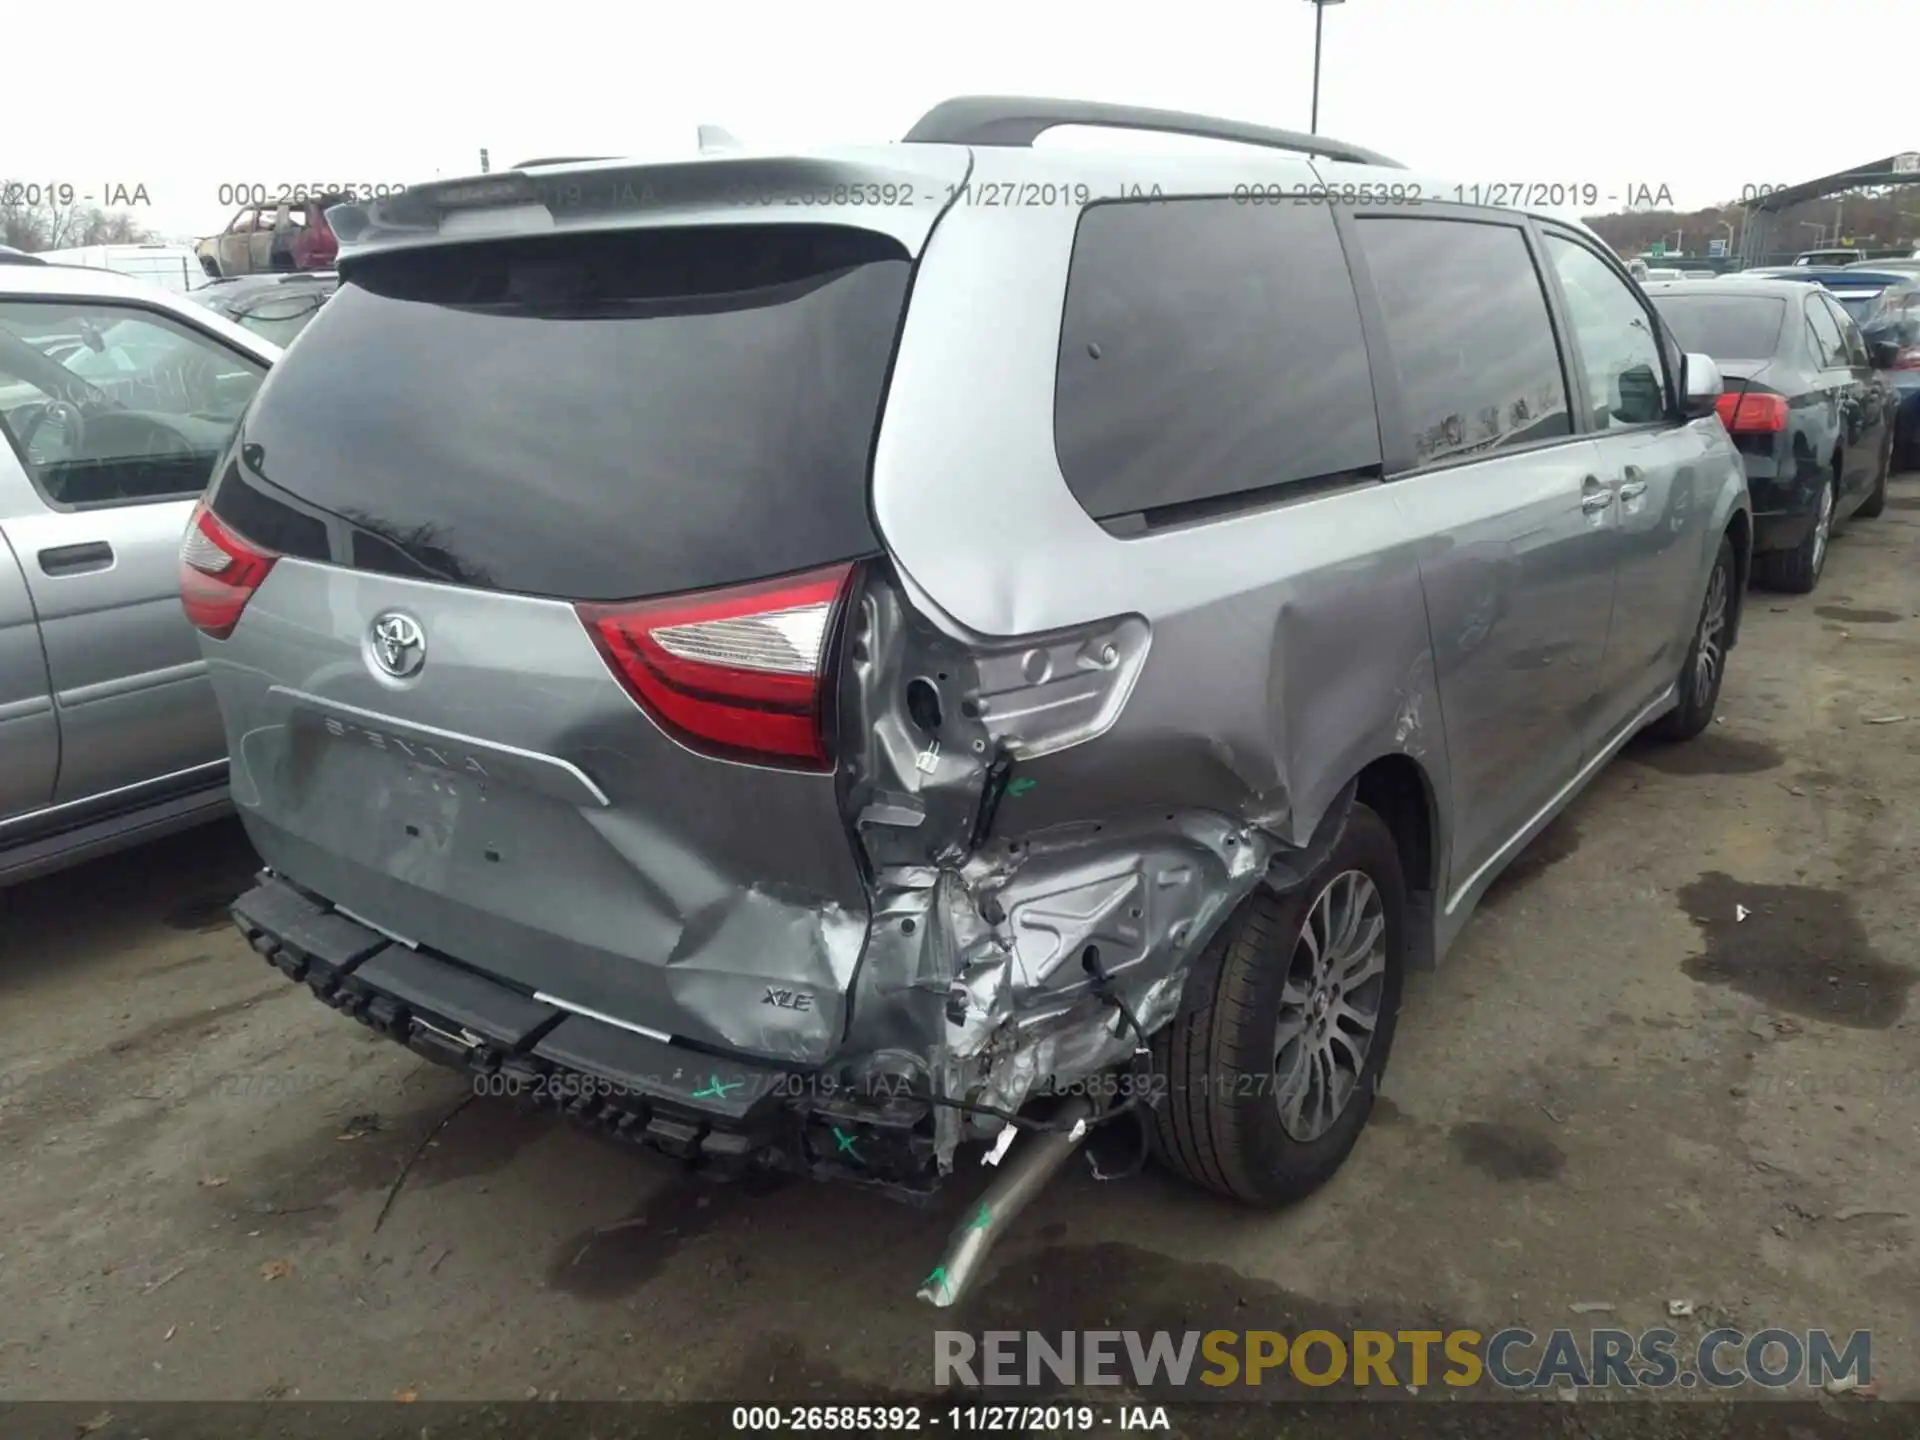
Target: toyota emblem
point(399, 645)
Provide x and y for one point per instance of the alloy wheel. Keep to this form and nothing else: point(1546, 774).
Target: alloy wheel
point(1711, 648)
point(1329, 1005)
point(1822, 527)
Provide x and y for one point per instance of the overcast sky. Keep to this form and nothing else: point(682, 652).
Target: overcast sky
point(1702, 96)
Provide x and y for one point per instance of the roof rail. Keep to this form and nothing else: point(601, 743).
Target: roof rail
point(1020, 120)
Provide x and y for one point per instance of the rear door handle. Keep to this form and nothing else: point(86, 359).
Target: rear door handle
point(1635, 484)
point(1595, 497)
point(77, 559)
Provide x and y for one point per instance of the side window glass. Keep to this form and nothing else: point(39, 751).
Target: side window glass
point(108, 405)
point(242, 223)
point(1468, 326)
point(1615, 336)
point(1856, 348)
point(1208, 349)
point(1828, 348)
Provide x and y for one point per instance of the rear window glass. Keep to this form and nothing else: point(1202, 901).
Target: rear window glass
point(1727, 327)
point(587, 417)
point(1208, 349)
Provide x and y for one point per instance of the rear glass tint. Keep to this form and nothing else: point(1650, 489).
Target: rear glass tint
point(1208, 349)
point(587, 417)
point(1726, 327)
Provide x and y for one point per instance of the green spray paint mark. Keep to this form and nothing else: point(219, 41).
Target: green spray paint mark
point(845, 1142)
point(939, 1274)
point(715, 1089)
point(983, 1219)
point(1020, 786)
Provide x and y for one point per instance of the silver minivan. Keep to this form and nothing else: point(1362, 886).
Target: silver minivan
point(810, 661)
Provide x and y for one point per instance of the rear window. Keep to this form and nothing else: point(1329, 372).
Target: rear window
point(585, 417)
point(1727, 327)
point(1208, 349)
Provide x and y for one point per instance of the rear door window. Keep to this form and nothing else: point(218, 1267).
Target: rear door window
point(594, 417)
point(1470, 334)
point(1829, 349)
point(1856, 348)
point(1208, 350)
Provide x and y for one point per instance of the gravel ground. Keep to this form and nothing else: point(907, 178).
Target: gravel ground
point(1614, 1092)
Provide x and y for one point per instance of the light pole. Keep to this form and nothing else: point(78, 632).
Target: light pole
point(1319, 15)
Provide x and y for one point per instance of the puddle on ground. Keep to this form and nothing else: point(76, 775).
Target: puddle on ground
point(1056, 1289)
point(1508, 1152)
point(1713, 752)
point(1800, 949)
point(1858, 617)
point(1547, 849)
point(1385, 1112)
point(615, 1259)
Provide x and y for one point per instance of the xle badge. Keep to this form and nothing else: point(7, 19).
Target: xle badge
point(787, 999)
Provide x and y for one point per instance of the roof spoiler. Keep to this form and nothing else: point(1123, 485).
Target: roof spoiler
point(1018, 120)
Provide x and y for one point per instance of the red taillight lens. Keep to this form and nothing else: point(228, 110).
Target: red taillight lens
point(218, 573)
point(1907, 359)
point(1744, 412)
point(737, 673)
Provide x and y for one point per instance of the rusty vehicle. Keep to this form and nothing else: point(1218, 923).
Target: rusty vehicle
point(270, 238)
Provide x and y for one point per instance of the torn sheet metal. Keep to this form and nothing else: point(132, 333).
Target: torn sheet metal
point(975, 979)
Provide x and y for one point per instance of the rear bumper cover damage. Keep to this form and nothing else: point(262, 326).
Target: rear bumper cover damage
point(1009, 953)
point(723, 1114)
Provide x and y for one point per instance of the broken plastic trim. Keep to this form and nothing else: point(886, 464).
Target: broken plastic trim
point(1007, 962)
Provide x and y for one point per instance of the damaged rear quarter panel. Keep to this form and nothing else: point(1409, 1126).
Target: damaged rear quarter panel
point(1284, 650)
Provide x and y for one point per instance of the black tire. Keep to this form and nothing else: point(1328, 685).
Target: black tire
point(1219, 1122)
point(1700, 692)
point(1876, 500)
point(1798, 570)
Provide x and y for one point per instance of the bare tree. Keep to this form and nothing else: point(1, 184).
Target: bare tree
point(31, 220)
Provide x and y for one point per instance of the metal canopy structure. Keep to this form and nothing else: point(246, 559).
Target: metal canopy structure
point(1763, 211)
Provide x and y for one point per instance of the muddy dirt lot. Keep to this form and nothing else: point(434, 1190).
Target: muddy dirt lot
point(1616, 1091)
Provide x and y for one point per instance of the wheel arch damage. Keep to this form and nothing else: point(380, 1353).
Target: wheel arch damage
point(1029, 889)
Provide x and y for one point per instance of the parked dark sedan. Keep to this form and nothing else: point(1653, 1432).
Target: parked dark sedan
point(276, 307)
point(1858, 288)
point(1895, 320)
point(1807, 403)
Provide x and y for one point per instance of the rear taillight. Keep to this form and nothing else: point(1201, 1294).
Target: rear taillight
point(1907, 359)
point(1746, 412)
point(737, 673)
point(218, 573)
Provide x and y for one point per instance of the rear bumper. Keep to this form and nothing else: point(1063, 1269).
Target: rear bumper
point(724, 1115)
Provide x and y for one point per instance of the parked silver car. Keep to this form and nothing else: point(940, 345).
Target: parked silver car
point(116, 398)
point(802, 660)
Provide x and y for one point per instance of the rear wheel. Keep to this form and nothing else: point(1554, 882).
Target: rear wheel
point(1270, 1084)
point(1798, 570)
point(1706, 667)
point(1876, 500)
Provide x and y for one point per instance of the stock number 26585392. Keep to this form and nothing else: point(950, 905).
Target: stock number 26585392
point(254, 192)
